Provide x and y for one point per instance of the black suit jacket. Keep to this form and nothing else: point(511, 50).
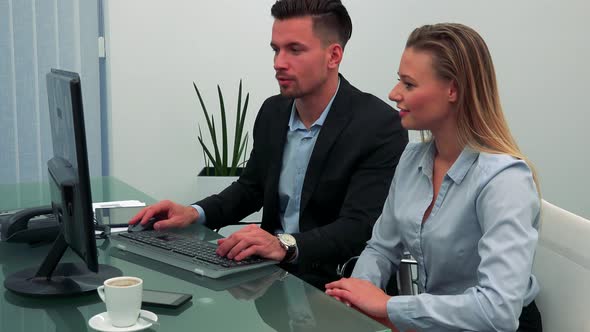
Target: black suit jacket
point(345, 186)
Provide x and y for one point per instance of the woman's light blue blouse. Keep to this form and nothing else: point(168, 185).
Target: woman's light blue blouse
point(474, 252)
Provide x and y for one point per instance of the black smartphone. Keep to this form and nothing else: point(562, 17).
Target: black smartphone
point(164, 299)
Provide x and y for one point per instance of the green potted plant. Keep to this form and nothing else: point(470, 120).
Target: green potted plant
point(219, 161)
point(222, 166)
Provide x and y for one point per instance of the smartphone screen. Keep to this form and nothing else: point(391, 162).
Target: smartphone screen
point(164, 299)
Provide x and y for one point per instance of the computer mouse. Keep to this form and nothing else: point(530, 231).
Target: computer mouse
point(138, 227)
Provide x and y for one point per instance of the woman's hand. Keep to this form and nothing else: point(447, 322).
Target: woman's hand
point(361, 294)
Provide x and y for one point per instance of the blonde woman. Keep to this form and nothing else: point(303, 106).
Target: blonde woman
point(464, 202)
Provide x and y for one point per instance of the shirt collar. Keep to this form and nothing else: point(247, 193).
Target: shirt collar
point(427, 161)
point(295, 122)
point(462, 165)
point(459, 169)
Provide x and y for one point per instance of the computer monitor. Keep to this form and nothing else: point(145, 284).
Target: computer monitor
point(71, 201)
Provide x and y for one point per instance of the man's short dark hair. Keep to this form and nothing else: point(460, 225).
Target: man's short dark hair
point(331, 21)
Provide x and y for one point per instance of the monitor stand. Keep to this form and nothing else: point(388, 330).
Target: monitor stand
point(65, 279)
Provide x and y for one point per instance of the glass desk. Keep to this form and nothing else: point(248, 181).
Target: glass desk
point(261, 300)
point(104, 189)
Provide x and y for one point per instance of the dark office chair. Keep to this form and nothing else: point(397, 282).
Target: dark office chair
point(405, 282)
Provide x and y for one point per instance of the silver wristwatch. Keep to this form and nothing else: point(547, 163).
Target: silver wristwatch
point(288, 242)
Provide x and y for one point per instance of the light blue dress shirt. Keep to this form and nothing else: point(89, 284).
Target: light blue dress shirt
point(474, 251)
point(296, 153)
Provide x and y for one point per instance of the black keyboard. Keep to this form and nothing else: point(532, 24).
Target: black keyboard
point(191, 247)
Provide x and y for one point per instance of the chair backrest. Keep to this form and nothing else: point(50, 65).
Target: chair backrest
point(562, 266)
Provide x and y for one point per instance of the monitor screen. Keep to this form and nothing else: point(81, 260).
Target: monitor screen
point(71, 201)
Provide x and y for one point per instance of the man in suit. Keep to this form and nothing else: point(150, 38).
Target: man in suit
point(323, 156)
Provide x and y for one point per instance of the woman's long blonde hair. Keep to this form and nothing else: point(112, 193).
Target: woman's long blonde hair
point(461, 55)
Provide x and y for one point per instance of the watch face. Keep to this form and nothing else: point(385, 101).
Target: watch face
point(287, 239)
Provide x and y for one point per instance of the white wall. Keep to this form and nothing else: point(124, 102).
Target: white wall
point(156, 49)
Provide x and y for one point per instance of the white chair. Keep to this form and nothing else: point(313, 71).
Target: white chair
point(562, 266)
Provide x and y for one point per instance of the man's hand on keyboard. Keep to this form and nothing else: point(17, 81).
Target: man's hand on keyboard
point(172, 215)
point(248, 241)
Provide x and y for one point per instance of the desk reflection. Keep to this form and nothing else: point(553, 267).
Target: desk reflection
point(288, 304)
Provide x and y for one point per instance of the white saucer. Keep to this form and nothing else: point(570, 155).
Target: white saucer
point(102, 322)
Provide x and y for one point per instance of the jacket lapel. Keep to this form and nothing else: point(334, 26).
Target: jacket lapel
point(336, 121)
point(278, 140)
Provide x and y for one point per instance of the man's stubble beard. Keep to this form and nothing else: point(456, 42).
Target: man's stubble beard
point(295, 93)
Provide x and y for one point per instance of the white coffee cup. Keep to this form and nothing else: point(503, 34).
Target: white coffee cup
point(122, 296)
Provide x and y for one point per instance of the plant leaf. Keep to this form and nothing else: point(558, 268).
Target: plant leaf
point(208, 153)
point(244, 110)
point(240, 129)
point(223, 128)
point(237, 138)
point(242, 150)
point(205, 158)
point(210, 124)
point(216, 166)
point(200, 138)
point(214, 139)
